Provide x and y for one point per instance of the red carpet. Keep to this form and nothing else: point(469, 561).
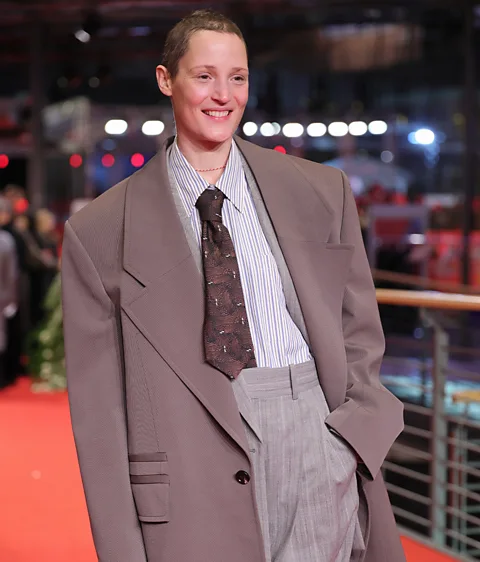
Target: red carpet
point(43, 515)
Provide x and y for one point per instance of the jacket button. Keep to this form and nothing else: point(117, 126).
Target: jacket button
point(242, 477)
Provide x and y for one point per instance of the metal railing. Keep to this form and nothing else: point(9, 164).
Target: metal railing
point(433, 470)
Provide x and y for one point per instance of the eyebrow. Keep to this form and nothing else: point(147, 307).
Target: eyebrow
point(211, 67)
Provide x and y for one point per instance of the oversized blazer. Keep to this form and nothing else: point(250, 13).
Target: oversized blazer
point(158, 433)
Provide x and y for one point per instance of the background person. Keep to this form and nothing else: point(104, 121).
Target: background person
point(8, 287)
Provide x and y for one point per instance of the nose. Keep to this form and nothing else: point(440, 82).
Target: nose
point(221, 93)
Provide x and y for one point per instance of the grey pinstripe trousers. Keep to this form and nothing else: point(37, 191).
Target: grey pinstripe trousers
point(305, 477)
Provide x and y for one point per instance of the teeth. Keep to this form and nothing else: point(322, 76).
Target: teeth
point(217, 113)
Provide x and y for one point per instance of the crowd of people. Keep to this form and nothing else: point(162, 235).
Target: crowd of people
point(29, 261)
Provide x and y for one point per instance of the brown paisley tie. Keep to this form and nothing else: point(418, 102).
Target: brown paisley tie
point(226, 333)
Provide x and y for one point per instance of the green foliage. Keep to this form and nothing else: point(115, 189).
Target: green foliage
point(46, 348)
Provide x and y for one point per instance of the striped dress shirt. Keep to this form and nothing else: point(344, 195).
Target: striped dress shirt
point(276, 339)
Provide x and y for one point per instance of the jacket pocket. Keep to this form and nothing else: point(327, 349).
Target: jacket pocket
point(150, 486)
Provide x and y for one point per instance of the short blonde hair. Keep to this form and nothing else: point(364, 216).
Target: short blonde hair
point(178, 38)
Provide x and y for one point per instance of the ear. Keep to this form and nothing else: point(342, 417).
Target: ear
point(164, 80)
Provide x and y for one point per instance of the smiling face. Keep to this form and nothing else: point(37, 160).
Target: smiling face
point(210, 91)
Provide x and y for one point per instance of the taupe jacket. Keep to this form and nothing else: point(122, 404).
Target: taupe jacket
point(158, 432)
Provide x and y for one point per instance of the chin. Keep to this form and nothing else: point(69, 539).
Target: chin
point(219, 137)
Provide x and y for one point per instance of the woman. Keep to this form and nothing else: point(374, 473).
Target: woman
point(223, 343)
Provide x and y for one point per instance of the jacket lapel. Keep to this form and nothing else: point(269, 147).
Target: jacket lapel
point(163, 293)
point(302, 219)
point(297, 211)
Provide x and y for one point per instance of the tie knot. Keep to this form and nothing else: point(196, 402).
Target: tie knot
point(209, 205)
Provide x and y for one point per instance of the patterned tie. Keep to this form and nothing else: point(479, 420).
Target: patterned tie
point(226, 334)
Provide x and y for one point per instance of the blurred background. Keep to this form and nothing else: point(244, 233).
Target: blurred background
point(386, 90)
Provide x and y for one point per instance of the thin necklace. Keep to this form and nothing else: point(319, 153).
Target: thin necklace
point(211, 169)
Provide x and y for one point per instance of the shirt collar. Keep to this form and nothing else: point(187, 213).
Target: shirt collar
point(232, 182)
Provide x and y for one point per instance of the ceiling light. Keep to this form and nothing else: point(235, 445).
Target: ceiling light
point(153, 128)
point(293, 130)
point(83, 36)
point(276, 128)
point(116, 127)
point(267, 130)
point(357, 128)
point(250, 128)
point(338, 129)
point(424, 136)
point(378, 127)
point(316, 129)
point(89, 27)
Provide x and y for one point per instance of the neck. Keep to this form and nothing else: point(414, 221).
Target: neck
point(204, 156)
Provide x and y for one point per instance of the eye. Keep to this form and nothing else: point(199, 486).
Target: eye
point(240, 79)
point(203, 77)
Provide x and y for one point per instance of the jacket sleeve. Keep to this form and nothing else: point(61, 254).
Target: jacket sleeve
point(371, 418)
point(96, 395)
